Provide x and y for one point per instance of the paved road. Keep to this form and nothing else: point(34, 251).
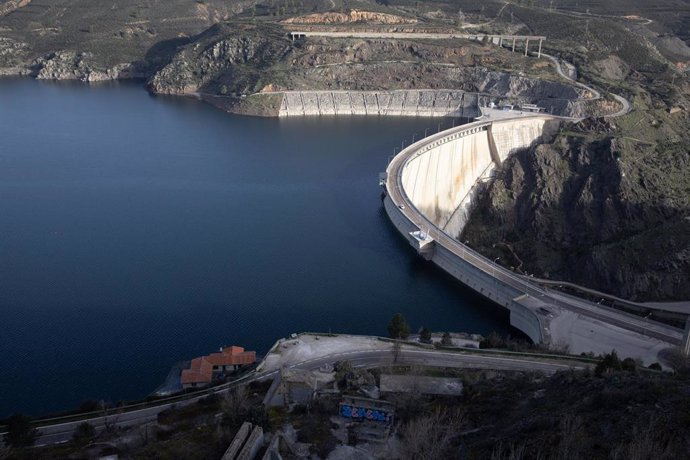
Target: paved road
point(435, 358)
point(62, 432)
point(625, 104)
point(411, 35)
point(559, 69)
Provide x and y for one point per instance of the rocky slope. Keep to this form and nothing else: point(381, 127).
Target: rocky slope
point(171, 45)
point(586, 209)
point(350, 17)
point(232, 60)
point(9, 6)
point(83, 37)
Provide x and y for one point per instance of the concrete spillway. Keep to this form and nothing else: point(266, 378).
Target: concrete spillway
point(430, 188)
point(415, 103)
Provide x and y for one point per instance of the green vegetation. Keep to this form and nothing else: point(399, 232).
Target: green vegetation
point(446, 339)
point(20, 432)
point(398, 327)
point(84, 433)
point(425, 335)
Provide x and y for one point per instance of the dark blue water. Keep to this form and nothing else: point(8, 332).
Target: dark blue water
point(138, 231)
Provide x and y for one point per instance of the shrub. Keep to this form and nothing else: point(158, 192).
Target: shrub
point(84, 433)
point(398, 327)
point(20, 433)
point(425, 335)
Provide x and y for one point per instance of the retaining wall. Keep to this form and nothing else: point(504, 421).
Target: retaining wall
point(417, 103)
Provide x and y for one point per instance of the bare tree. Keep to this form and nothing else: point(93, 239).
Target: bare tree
point(511, 451)
point(109, 421)
point(650, 442)
point(235, 404)
point(570, 430)
point(144, 432)
point(430, 436)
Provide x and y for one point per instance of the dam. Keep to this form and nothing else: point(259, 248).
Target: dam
point(430, 188)
point(416, 103)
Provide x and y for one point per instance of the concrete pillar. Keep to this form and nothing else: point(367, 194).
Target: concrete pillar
point(500, 41)
point(685, 344)
point(539, 53)
point(513, 44)
point(526, 45)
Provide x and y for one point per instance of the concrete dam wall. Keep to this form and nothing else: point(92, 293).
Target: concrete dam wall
point(441, 179)
point(415, 103)
point(430, 190)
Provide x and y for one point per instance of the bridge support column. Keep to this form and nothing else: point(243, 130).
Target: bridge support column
point(500, 42)
point(685, 344)
point(526, 46)
point(539, 52)
point(513, 44)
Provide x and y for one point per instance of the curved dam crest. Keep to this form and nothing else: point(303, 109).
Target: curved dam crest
point(441, 180)
point(430, 190)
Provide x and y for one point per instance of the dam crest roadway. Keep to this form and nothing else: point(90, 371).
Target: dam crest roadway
point(430, 188)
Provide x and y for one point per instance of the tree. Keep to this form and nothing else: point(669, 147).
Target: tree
point(425, 335)
point(431, 436)
point(20, 433)
point(398, 327)
point(494, 340)
point(84, 433)
point(342, 370)
point(655, 366)
point(610, 363)
point(446, 339)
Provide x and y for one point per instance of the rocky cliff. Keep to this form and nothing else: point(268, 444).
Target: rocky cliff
point(225, 60)
point(586, 209)
point(70, 65)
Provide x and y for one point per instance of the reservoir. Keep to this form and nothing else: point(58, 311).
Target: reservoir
point(138, 231)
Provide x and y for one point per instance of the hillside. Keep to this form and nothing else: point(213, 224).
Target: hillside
point(607, 204)
point(615, 412)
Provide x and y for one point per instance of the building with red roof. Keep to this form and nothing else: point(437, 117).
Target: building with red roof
point(203, 370)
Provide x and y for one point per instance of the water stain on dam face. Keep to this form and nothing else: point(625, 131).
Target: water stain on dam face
point(139, 231)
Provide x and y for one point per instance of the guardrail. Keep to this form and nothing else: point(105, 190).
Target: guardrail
point(142, 405)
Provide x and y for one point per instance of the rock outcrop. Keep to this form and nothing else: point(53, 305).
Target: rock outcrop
point(70, 65)
point(9, 6)
point(12, 57)
point(350, 17)
point(222, 57)
point(582, 210)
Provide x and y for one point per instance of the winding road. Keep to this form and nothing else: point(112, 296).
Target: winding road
point(55, 433)
point(626, 107)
